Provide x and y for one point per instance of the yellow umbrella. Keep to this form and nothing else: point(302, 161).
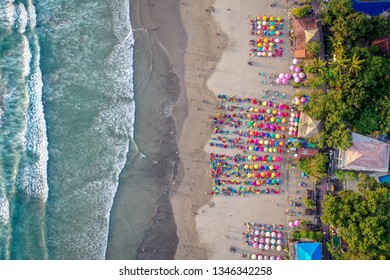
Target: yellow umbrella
point(271, 18)
point(272, 27)
point(279, 18)
point(265, 40)
point(264, 17)
point(256, 110)
point(259, 44)
point(277, 32)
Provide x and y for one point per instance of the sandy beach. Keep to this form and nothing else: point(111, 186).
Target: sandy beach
point(215, 57)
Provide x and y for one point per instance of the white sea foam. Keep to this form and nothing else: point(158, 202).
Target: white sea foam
point(117, 120)
point(33, 178)
point(26, 56)
point(21, 18)
point(4, 209)
point(7, 11)
point(32, 15)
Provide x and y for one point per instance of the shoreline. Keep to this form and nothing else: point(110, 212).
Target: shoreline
point(194, 56)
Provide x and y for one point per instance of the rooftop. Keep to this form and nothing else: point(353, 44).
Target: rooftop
point(366, 154)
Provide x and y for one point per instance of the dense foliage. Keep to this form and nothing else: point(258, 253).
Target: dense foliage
point(351, 91)
point(315, 166)
point(302, 11)
point(362, 220)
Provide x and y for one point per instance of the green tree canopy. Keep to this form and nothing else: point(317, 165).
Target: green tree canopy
point(315, 166)
point(362, 220)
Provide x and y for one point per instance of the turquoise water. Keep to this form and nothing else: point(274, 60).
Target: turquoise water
point(87, 147)
point(67, 114)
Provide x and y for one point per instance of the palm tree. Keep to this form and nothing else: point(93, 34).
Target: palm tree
point(355, 65)
point(339, 65)
point(320, 65)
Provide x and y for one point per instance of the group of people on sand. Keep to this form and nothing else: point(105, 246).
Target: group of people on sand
point(257, 138)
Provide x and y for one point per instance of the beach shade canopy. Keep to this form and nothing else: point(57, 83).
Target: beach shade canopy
point(254, 256)
point(278, 81)
point(297, 69)
point(279, 248)
point(261, 240)
point(297, 222)
point(259, 257)
point(301, 75)
point(272, 258)
point(266, 247)
point(261, 246)
point(284, 81)
point(297, 80)
point(280, 235)
point(268, 234)
point(266, 257)
point(292, 68)
point(295, 61)
point(273, 241)
point(269, 54)
point(278, 258)
point(308, 251)
point(278, 18)
point(295, 75)
point(281, 75)
point(291, 224)
point(287, 75)
point(255, 245)
point(279, 241)
point(273, 247)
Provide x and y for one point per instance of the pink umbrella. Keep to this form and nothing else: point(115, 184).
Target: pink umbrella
point(281, 75)
point(295, 61)
point(277, 40)
point(261, 240)
point(297, 69)
point(255, 245)
point(301, 75)
point(278, 81)
point(278, 258)
point(295, 75)
point(280, 235)
point(259, 257)
point(269, 54)
point(303, 99)
point(273, 234)
point(284, 81)
point(292, 68)
point(297, 223)
point(291, 224)
point(287, 76)
point(297, 80)
point(265, 49)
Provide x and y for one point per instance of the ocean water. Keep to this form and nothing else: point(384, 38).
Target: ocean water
point(67, 118)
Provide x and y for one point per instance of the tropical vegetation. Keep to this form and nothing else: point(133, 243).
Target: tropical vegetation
point(362, 220)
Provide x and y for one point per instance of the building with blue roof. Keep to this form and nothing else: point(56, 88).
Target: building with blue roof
point(372, 8)
point(308, 251)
